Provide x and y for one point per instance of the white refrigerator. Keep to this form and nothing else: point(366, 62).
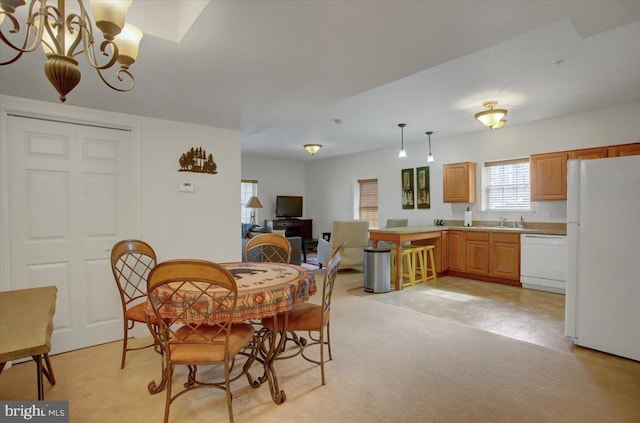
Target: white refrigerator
point(603, 232)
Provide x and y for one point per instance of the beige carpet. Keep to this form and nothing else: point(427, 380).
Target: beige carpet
point(391, 364)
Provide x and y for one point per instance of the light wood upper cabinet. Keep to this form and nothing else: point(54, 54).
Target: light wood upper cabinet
point(548, 174)
point(459, 182)
point(590, 153)
point(549, 171)
point(625, 150)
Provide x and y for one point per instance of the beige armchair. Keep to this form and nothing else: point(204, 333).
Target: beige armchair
point(355, 234)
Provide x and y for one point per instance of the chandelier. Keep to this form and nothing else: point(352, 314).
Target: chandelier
point(493, 118)
point(64, 36)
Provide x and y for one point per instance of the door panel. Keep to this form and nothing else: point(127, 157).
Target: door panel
point(69, 202)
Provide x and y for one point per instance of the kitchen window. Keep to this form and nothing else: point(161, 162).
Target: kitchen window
point(506, 185)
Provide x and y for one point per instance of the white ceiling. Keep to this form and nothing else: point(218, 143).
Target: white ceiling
point(282, 71)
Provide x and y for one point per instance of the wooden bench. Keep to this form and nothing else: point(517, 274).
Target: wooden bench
point(26, 324)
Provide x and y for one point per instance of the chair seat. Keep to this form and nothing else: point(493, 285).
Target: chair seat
point(204, 353)
point(137, 314)
point(305, 316)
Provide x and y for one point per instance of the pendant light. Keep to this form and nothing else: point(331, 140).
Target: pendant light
point(402, 153)
point(430, 156)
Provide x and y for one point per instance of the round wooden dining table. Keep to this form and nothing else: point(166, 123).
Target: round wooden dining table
point(264, 290)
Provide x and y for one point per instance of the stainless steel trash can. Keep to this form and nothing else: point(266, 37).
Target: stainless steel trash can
point(377, 277)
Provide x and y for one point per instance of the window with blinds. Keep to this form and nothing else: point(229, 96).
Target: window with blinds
point(368, 201)
point(507, 185)
point(248, 188)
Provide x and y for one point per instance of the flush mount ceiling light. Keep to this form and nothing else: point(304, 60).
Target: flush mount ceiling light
point(312, 148)
point(493, 118)
point(402, 153)
point(430, 156)
point(65, 35)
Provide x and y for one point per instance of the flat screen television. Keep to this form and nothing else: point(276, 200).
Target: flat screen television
point(288, 206)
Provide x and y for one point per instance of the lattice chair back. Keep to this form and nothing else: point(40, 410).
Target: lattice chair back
point(272, 248)
point(131, 262)
point(329, 282)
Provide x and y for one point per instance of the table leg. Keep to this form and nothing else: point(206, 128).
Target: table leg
point(398, 280)
point(38, 360)
point(276, 344)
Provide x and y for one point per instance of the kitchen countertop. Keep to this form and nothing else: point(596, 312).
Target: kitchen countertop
point(547, 231)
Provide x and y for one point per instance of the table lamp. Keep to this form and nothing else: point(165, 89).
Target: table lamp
point(254, 203)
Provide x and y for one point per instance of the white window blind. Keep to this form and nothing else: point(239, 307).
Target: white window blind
point(508, 186)
point(368, 207)
point(248, 188)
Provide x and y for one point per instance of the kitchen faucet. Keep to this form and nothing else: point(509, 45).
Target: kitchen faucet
point(502, 220)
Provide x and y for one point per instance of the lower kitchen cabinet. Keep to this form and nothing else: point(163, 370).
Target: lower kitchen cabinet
point(476, 253)
point(456, 256)
point(491, 256)
point(505, 256)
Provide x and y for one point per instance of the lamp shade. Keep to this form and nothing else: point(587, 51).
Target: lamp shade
point(128, 42)
point(254, 203)
point(491, 117)
point(312, 148)
point(110, 15)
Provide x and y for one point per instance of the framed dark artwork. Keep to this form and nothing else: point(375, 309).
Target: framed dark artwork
point(407, 189)
point(423, 194)
point(197, 160)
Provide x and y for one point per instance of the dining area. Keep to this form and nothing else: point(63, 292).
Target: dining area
point(238, 318)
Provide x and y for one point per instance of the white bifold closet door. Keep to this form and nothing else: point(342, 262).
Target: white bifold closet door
point(69, 202)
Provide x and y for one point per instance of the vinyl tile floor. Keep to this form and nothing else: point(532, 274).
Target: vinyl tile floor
point(524, 314)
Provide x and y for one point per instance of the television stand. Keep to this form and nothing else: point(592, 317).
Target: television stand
point(293, 227)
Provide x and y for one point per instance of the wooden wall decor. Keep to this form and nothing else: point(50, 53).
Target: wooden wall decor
point(197, 160)
point(407, 189)
point(423, 191)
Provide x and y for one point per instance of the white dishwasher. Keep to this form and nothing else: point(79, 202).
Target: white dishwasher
point(543, 262)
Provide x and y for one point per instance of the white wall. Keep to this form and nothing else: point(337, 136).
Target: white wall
point(275, 177)
point(204, 224)
point(331, 180)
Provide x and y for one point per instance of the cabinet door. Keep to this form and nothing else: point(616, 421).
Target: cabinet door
point(505, 256)
point(549, 176)
point(589, 153)
point(445, 251)
point(625, 150)
point(456, 257)
point(459, 182)
point(477, 257)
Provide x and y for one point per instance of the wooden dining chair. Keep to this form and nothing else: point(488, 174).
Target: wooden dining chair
point(312, 317)
point(271, 248)
point(131, 262)
point(196, 324)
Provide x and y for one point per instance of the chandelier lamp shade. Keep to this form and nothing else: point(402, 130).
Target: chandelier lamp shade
point(402, 153)
point(312, 148)
point(63, 36)
point(492, 117)
point(430, 156)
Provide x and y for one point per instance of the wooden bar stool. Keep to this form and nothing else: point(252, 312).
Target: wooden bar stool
point(408, 268)
point(424, 262)
point(419, 259)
